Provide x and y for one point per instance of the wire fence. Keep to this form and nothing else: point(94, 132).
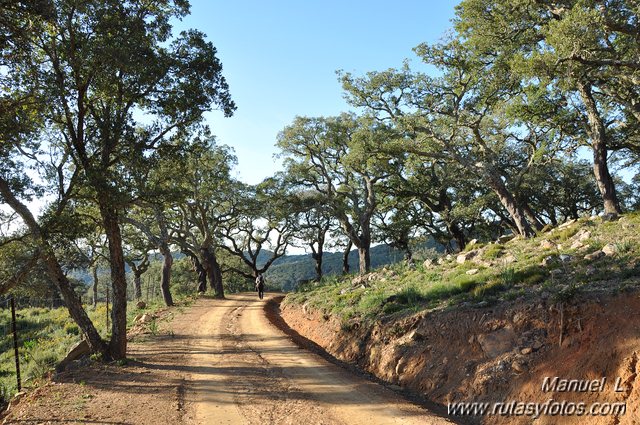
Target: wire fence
point(9, 331)
point(35, 335)
point(44, 331)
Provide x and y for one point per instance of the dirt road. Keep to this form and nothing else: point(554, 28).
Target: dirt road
point(214, 362)
point(243, 370)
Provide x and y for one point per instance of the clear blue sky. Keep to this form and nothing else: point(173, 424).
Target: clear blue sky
point(280, 58)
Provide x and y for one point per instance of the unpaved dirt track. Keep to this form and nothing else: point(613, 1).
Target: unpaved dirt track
point(243, 370)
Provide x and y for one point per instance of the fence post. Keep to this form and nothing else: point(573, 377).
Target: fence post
point(15, 341)
point(107, 308)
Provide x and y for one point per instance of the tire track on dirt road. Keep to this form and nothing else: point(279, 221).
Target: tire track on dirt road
point(244, 370)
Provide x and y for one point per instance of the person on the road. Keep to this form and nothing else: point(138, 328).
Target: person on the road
point(260, 285)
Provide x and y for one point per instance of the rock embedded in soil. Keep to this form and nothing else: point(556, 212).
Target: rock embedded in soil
point(609, 249)
point(547, 244)
point(497, 342)
point(594, 256)
point(465, 256)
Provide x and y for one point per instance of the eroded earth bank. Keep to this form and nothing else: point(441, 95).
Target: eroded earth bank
point(500, 354)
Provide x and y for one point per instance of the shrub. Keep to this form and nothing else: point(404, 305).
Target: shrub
point(71, 328)
point(409, 295)
point(624, 246)
point(489, 288)
point(371, 302)
point(567, 233)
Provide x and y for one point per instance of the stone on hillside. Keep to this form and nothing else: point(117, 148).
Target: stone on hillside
point(505, 238)
point(548, 260)
point(584, 236)
point(537, 344)
point(526, 350)
point(566, 224)
point(547, 244)
point(609, 249)
point(80, 349)
point(565, 258)
point(497, 342)
point(358, 280)
point(577, 245)
point(465, 256)
point(146, 318)
point(594, 256)
point(509, 259)
point(518, 366)
point(415, 335)
point(472, 272)
point(472, 242)
point(610, 217)
point(428, 263)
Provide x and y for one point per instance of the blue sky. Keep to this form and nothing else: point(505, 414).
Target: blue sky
point(280, 59)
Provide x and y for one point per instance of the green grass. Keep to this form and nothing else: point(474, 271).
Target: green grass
point(493, 251)
point(448, 285)
point(45, 337)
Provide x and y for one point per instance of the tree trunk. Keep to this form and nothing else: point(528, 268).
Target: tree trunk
point(55, 272)
point(598, 135)
point(532, 217)
point(211, 266)
point(553, 216)
point(365, 259)
point(165, 281)
point(94, 271)
point(457, 234)
point(345, 258)
point(118, 343)
point(201, 272)
point(137, 284)
point(317, 257)
point(317, 254)
point(74, 305)
point(509, 203)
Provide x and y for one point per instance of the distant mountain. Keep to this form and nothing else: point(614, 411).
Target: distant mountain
point(288, 271)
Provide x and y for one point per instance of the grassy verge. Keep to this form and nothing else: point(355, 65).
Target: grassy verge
point(45, 336)
point(552, 266)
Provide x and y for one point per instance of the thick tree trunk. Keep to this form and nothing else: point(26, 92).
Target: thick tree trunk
point(73, 303)
point(533, 219)
point(201, 272)
point(214, 273)
point(137, 284)
point(317, 257)
point(509, 203)
point(365, 259)
point(553, 216)
point(118, 343)
point(165, 281)
point(94, 271)
point(457, 234)
point(345, 258)
point(55, 272)
point(598, 135)
point(317, 254)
